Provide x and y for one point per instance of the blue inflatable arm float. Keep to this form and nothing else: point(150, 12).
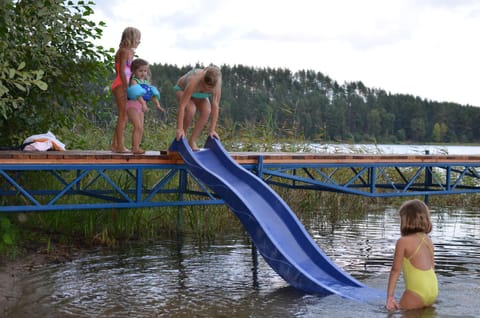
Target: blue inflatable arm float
point(135, 91)
point(155, 92)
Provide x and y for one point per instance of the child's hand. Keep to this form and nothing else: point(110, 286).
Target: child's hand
point(392, 304)
point(179, 134)
point(213, 134)
point(145, 108)
point(160, 108)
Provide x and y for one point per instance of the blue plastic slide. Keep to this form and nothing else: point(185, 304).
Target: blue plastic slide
point(275, 230)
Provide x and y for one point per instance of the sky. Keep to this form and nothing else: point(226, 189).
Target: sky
point(425, 48)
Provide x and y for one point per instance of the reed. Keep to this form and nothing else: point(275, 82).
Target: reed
point(111, 227)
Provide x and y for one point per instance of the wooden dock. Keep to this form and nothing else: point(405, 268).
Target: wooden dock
point(164, 157)
point(159, 178)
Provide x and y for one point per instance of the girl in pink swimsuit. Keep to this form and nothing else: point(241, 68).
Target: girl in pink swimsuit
point(123, 57)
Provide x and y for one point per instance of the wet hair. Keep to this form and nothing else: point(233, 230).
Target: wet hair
point(136, 64)
point(414, 217)
point(129, 36)
point(212, 75)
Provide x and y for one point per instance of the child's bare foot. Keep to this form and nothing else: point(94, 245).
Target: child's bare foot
point(139, 151)
point(120, 150)
point(194, 146)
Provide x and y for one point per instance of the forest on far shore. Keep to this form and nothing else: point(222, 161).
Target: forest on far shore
point(310, 106)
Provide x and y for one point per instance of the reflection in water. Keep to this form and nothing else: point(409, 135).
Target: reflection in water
point(182, 278)
point(255, 267)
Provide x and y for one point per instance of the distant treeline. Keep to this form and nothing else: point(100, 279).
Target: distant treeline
point(311, 106)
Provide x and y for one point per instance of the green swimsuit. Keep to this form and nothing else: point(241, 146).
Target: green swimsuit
point(195, 94)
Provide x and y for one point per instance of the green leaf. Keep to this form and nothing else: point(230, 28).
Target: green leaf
point(40, 74)
point(5, 224)
point(7, 239)
point(3, 90)
point(20, 87)
point(21, 66)
point(41, 84)
point(11, 73)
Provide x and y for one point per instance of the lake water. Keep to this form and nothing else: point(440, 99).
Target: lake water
point(185, 278)
point(395, 149)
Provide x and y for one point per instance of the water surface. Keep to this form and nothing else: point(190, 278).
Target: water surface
point(395, 149)
point(185, 278)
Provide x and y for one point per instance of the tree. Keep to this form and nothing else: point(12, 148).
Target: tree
point(375, 122)
point(436, 133)
point(50, 70)
point(439, 132)
point(417, 129)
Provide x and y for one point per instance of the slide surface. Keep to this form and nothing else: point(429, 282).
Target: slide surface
point(275, 230)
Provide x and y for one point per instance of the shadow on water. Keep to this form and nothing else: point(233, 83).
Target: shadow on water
point(227, 278)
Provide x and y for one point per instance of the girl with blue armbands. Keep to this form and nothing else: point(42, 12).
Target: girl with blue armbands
point(139, 93)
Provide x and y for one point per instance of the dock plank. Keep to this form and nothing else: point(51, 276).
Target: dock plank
point(164, 157)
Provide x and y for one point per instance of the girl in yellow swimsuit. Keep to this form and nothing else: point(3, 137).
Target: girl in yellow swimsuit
point(414, 256)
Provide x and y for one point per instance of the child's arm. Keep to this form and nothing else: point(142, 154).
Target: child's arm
point(217, 92)
point(183, 102)
point(144, 104)
point(156, 98)
point(395, 271)
point(123, 54)
point(157, 104)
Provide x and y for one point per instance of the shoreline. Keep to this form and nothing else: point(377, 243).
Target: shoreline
point(12, 272)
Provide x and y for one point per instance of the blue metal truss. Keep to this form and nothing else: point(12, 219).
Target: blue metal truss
point(26, 188)
point(377, 179)
point(50, 187)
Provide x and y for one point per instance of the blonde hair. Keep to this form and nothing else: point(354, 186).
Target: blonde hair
point(129, 36)
point(212, 75)
point(414, 217)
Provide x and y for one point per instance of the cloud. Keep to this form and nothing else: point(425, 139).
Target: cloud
point(427, 48)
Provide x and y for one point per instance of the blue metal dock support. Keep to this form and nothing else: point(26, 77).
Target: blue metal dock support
point(49, 184)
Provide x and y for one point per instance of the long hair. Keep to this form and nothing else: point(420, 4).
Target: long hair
point(129, 36)
point(414, 217)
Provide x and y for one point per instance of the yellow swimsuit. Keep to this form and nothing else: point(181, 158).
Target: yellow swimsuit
point(421, 282)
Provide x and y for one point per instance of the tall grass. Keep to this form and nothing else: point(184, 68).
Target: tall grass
point(111, 227)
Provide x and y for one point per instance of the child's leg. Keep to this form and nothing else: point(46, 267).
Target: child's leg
point(140, 132)
point(136, 117)
point(411, 300)
point(188, 115)
point(204, 108)
point(121, 100)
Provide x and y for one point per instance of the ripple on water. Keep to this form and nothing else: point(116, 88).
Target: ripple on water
point(186, 279)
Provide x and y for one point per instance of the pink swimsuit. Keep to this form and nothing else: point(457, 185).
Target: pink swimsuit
point(135, 104)
point(128, 72)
